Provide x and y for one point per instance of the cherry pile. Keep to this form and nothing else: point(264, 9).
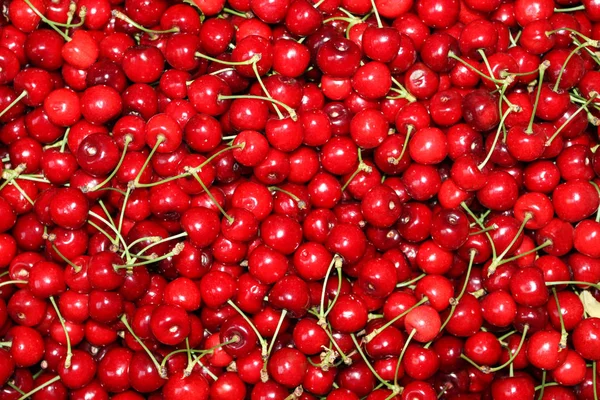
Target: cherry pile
point(300, 199)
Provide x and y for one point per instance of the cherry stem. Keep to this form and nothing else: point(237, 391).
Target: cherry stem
point(264, 89)
point(152, 239)
point(563, 332)
point(15, 282)
point(501, 338)
point(277, 329)
point(20, 97)
point(486, 369)
point(487, 64)
point(593, 96)
point(526, 253)
point(456, 300)
point(159, 241)
point(15, 387)
point(159, 139)
point(287, 108)
point(50, 23)
point(543, 67)
point(128, 140)
point(119, 237)
point(488, 229)
point(23, 193)
point(190, 367)
point(478, 222)
point(188, 173)
point(366, 360)
point(301, 203)
point(526, 219)
point(118, 14)
point(337, 293)
point(410, 282)
point(163, 364)
point(115, 242)
point(262, 341)
point(594, 387)
point(361, 167)
point(512, 108)
point(152, 259)
point(581, 283)
point(569, 9)
point(9, 175)
point(401, 356)
point(336, 262)
point(345, 19)
point(211, 197)
point(252, 60)
point(596, 43)
point(543, 385)
point(37, 389)
point(69, 355)
point(396, 161)
point(377, 331)
point(405, 93)
point(564, 66)
point(235, 12)
point(220, 71)
point(5, 344)
point(379, 24)
point(61, 255)
point(345, 358)
point(161, 371)
point(474, 69)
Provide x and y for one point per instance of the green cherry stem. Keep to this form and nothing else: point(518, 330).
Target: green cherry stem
point(401, 356)
point(252, 60)
point(564, 66)
point(118, 14)
point(69, 355)
point(410, 282)
point(526, 253)
point(454, 301)
point(37, 389)
point(264, 89)
point(486, 369)
point(161, 372)
point(262, 341)
point(593, 96)
point(543, 385)
point(594, 379)
point(475, 70)
point(543, 67)
point(510, 109)
point(366, 360)
point(481, 225)
point(301, 203)
point(498, 259)
point(128, 139)
point(361, 167)
point(336, 262)
point(396, 161)
point(210, 195)
point(287, 108)
point(563, 332)
point(52, 24)
point(14, 102)
point(377, 17)
point(377, 331)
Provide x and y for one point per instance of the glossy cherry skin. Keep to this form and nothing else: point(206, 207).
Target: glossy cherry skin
point(583, 337)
